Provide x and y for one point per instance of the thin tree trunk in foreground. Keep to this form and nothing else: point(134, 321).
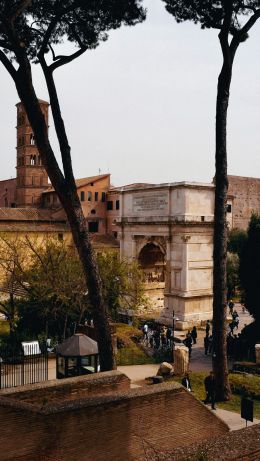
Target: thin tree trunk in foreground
point(219, 360)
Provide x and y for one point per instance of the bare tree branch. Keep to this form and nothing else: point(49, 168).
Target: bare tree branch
point(66, 59)
point(8, 65)
point(241, 34)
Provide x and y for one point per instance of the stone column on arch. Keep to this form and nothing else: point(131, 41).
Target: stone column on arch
point(120, 236)
point(168, 265)
point(134, 247)
point(185, 262)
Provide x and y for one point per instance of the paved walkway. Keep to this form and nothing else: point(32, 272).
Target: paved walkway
point(200, 361)
point(138, 373)
point(233, 420)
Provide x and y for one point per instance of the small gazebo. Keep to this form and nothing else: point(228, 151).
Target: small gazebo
point(77, 355)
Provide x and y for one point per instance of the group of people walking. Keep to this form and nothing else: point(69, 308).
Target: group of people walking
point(161, 337)
point(157, 336)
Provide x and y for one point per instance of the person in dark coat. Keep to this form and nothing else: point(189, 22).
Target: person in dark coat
point(206, 343)
point(169, 336)
point(210, 343)
point(210, 388)
point(188, 342)
point(194, 335)
point(232, 326)
point(231, 307)
point(208, 327)
point(186, 382)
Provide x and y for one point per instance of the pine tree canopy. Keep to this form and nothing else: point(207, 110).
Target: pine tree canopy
point(210, 14)
point(39, 25)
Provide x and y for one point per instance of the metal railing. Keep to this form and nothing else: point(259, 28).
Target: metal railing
point(18, 368)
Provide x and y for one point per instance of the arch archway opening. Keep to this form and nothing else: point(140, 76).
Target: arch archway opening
point(152, 261)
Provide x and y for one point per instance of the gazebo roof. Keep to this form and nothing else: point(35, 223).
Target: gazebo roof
point(78, 345)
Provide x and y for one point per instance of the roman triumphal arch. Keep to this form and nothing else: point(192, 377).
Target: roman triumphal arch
point(168, 229)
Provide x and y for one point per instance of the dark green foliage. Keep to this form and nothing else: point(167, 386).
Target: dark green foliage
point(122, 283)
point(232, 274)
point(37, 319)
point(43, 23)
point(210, 14)
point(250, 268)
point(236, 241)
point(251, 334)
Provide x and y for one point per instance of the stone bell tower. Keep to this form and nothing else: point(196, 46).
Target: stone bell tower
point(32, 178)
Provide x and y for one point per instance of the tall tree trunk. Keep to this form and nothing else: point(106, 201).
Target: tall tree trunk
point(219, 360)
point(67, 192)
point(12, 318)
point(65, 326)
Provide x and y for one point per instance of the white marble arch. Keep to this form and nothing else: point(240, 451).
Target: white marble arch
point(178, 219)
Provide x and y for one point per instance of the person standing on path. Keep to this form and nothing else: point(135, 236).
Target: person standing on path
point(186, 382)
point(210, 343)
point(206, 344)
point(145, 331)
point(194, 335)
point(188, 342)
point(231, 307)
point(210, 388)
point(207, 327)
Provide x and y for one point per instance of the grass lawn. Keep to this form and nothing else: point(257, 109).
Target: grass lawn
point(131, 353)
point(239, 383)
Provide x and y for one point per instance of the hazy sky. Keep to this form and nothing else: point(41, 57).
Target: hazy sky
point(142, 105)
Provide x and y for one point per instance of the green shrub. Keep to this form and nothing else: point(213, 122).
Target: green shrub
point(242, 384)
point(130, 351)
point(4, 328)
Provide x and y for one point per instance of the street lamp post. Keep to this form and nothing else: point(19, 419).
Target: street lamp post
point(173, 324)
point(173, 331)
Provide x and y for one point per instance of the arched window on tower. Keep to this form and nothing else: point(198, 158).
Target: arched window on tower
point(32, 140)
point(33, 160)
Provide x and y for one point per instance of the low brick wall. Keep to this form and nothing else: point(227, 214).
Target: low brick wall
point(48, 393)
point(242, 445)
point(126, 425)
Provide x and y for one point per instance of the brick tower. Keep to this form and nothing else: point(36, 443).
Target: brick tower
point(32, 178)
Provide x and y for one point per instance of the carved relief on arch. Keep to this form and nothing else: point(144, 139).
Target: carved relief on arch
point(185, 238)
